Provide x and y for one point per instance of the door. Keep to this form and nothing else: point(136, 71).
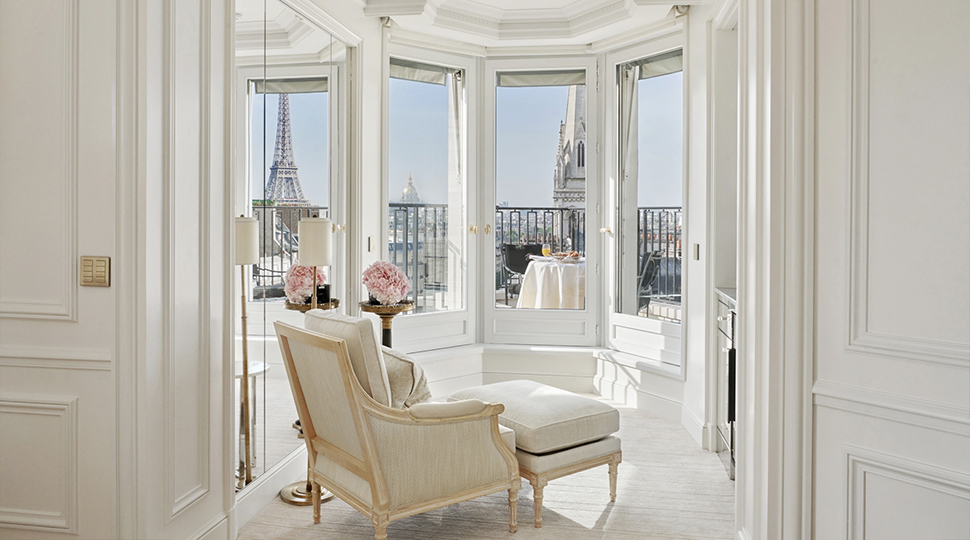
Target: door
point(892, 313)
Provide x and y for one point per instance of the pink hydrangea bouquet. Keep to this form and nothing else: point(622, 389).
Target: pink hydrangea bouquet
point(299, 283)
point(386, 282)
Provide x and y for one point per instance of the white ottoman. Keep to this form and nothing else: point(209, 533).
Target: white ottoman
point(557, 433)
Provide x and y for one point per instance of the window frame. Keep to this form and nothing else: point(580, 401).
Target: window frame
point(658, 346)
point(246, 75)
point(436, 330)
point(541, 326)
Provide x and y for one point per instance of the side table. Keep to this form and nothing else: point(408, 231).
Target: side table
point(386, 313)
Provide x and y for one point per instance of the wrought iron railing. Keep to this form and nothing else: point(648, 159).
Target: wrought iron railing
point(279, 244)
point(418, 244)
point(564, 229)
point(661, 232)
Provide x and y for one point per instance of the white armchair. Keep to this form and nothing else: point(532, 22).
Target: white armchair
point(390, 463)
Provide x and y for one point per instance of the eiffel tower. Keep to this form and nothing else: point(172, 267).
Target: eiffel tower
point(284, 184)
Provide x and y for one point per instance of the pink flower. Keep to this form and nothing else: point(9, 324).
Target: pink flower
point(299, 283)
point(386, 282)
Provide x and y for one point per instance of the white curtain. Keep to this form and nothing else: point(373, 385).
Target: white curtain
point(292, 86)
point(629, 76)
point(541, 78)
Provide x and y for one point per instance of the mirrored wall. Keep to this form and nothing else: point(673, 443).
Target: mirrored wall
point(288, 168)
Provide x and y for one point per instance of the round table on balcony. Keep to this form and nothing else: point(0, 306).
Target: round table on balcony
point(552, 284)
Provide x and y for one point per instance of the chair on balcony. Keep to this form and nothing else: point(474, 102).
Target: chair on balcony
point(389, 463)
point(515, 259)
point(649, 270)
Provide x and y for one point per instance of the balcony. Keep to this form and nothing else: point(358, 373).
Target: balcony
point(418, 244)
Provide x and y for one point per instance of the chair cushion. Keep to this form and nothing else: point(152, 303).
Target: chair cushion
point(546, 419)
point(365, 352)
point(409, 386)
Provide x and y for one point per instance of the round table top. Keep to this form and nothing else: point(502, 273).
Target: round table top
point(389, 309)
point(334, 303)
point(255, 368)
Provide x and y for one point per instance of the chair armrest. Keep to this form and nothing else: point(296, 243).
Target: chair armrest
point(448, 410)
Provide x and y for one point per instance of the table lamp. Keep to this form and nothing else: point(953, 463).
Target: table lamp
point(247, 252)
point(315, 236)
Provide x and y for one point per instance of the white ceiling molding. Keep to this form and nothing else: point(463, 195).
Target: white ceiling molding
point(391, 8)
point(400, 36)
point(496, 22)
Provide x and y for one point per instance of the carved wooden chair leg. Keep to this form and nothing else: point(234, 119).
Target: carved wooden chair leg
point(315, 497)
point(380, 526)
point(537, 485)
point(514, 506)
point(613, 465)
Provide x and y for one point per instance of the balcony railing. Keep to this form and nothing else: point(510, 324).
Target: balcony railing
point(660, 232)
point(279, 244)
point(418, 244)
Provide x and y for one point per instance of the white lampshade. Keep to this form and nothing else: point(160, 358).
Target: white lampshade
point(315, 236)
point(247, 240)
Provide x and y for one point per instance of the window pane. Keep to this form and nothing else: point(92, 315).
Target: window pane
point(290, 181)
point(540, 196)
point(425, 214)
point(652, 196)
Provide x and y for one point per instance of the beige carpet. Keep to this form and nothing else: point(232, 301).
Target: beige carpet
point(668, 488)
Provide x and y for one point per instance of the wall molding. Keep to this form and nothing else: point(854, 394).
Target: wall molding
point(63, 408)
point(916, 412)
point(66, 308)
point(79, 358)
point(861, 339)
point(861, 462)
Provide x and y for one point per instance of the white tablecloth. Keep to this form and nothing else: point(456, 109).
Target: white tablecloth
point(549, 284)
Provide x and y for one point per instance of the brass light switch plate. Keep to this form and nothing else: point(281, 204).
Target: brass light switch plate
point(95, 271)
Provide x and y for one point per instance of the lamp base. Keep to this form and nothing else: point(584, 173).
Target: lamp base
point(297, 494)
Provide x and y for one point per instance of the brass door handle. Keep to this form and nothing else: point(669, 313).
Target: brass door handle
point(488, 229)
point(473, 229)
point(338, 228)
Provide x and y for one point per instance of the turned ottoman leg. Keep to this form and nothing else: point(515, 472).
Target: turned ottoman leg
point(537, 485)
point(614, 461)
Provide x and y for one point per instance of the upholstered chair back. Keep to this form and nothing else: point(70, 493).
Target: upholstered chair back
point(365, 351)
point(331, 410)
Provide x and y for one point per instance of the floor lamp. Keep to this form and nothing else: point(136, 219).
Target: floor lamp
point(247, 252)
point(315, 248)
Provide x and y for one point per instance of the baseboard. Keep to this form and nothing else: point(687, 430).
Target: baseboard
point(656, 405)
point(697, 429)
point(217, 531)
point(267, 486)
point(579, 385)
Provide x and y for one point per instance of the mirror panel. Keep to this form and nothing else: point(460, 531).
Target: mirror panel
point(287, 168)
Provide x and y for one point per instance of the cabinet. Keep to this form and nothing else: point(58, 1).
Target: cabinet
point(727, 316)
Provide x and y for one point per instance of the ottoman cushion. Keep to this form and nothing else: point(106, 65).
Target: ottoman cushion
point(547, 462)
point(546, 419)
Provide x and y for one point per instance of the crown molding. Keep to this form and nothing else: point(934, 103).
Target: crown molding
point(494, 23)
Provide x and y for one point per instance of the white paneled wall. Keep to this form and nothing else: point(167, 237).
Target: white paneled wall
point(892, 390)
point(113, 143)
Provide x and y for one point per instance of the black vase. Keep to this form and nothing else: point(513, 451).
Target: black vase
point(373, 301)
point(323, 293)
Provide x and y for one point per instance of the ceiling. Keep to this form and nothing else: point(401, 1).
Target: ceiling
point(288, 37)
point(506, 23)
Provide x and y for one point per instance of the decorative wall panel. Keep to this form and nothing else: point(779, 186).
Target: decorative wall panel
point(910, 234)
point(38, 456)
point(38, 159)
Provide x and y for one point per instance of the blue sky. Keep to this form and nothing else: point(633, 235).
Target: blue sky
point(527, 138)
point(308, 123)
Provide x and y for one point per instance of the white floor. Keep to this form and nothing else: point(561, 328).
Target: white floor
point(668, 488)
